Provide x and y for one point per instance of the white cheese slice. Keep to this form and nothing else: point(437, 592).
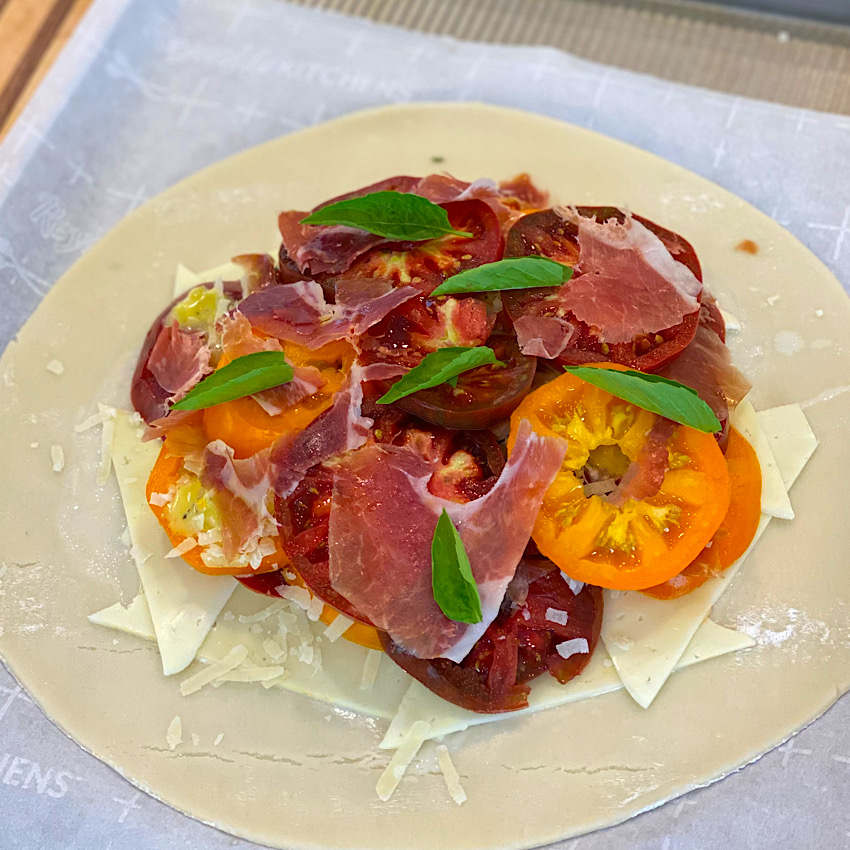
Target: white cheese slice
point(184, 279)
point(420, 704)
point(792, 440)
point(645, 637)
point(337, 682)
point(183, 602)
point(774, 492)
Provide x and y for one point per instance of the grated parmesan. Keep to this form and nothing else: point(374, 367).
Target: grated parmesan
point(263, 615)
point(273, 649)
point(106, 435)
point(57, 367)
point(230, 662)
point(401, 759)
point(160, 500)
point(370, 670)
point(219, 738)
point(250, 674)
point(575, 586)
point(95, 419)
point(575, 646)
point(174, 735)
point(553, 615)
point(58, 458)
point(450, 774)
point(338, 627)
point(178, 551)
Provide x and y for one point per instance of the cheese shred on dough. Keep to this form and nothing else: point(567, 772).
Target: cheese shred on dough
point(444, 760)
point(401, 759)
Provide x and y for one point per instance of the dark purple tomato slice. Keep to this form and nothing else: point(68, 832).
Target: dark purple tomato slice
point(482, 396)
point(546, 233)
point(518, 646)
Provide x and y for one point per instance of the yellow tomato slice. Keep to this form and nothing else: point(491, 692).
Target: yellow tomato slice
point(642, 543)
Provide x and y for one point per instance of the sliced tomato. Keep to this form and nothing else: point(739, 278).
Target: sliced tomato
point(248, 429)
point(422, 325)
point(546, 233)
point(518, 646)
point(146, 394)
point(737, 530)
point(482, 396)
point(466, 465)
point(165, 475)
point(426, 265)
point(645, 541)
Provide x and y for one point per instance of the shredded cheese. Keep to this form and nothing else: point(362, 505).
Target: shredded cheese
point(3, 569)
point(553, 615)
point(262, 616)
point(401, 759)
point(576, 646)
point(106, 435)
point(57, 455)
point(174, 735)
point(250, 674)
point(160, 500)
point(178, 551)
point(230, 662)
point(575, 586)
point(370, 670)
point(95, 419)
point(450, 774)
point(196, 739)
point(273, 649)
point(219, 738)
point(338, 627)
point(55, 366)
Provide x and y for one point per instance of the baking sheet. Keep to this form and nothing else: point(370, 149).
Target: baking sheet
point(175, 86)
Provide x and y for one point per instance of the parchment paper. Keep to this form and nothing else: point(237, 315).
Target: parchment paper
point(149, 91)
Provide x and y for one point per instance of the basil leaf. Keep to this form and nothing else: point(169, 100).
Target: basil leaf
point(393, 215)
point(243, 376)
point(439, 367)
point(451, 574)
point(652, 392)
point(513, 273)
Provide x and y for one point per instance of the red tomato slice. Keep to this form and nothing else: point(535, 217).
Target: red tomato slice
point(518, 646)
point(466, 466)
point(427, 264)
point(547, 234)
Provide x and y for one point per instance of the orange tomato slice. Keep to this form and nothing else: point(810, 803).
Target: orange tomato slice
point(737, 530)
point(248, 429)
point(166, 472)
point(643, 543)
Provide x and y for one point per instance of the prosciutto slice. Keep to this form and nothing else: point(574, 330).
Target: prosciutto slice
point(629, 284)
point(178, 360)
point(340, 429)
point(705, 365)
point(241, 488)
point(297, 312)
point(543, 336)
point(382, 521)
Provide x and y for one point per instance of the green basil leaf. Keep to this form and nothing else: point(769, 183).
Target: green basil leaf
point(451, 574)
point(243, 376)
point(513, 273)
point(652, 392)
point(393, 215)
point(439, 367)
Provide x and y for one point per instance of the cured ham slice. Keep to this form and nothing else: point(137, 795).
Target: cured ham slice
point(646, 472)
point(297, 312)
point(629, 284)
point(706, 366)
point(340, 429)
point(241, 488)
point(382, 521)
point(543, 336)
point(178, 360)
